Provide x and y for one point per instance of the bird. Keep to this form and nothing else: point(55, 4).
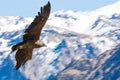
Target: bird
point(31, 37)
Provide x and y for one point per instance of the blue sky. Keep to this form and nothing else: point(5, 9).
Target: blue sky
point(29, 8)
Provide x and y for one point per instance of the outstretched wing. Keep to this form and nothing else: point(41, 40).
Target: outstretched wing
point(34, 30)
point(22, 56)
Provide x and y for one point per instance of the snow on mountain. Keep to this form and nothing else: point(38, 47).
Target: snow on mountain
point(104, 67)
point(68, 35)
point(81, 21)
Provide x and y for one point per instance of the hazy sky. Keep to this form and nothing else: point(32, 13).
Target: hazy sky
point(29, 8)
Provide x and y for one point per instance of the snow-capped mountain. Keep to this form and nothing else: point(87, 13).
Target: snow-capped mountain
point(69, 36)
point(104, 67)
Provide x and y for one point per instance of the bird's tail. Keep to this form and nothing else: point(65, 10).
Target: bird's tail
point(17, 46)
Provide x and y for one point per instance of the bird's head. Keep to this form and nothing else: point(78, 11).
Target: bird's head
point(39, 44)
point(44, 45)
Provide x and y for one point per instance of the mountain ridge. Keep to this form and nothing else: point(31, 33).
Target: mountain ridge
point(69, 35)
point(103, 67)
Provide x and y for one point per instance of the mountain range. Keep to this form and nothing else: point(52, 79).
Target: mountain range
point(80, 46)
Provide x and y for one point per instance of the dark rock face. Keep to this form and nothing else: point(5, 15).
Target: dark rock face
point(104, 67)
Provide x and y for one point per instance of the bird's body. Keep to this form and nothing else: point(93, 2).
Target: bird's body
point(31, 37)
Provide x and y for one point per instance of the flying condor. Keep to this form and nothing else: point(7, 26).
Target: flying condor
point(31, 37)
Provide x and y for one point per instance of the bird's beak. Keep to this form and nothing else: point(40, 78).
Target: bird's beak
point(45, 45)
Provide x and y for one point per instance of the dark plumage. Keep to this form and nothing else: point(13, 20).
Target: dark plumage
point(31, 37)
